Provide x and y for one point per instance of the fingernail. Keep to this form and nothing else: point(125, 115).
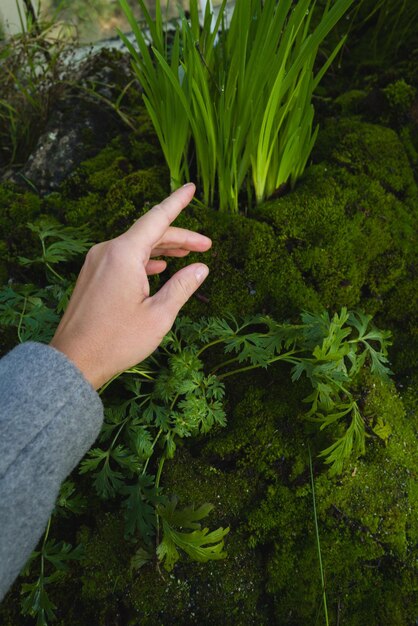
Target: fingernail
point(201, 273)
point(189, 185)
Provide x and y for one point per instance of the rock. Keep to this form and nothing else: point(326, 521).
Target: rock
point(82, 122)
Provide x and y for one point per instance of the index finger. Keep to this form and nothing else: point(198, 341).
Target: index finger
point(151, 227)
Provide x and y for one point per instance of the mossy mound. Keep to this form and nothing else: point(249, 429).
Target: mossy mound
point(342, 238)
point(345, 237)
point(370, 149)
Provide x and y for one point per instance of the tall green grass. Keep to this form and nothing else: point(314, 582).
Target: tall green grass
point(234, 102)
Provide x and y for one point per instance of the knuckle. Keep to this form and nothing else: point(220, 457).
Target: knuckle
point(183, 287)
point(162, 214)
point(92, 255)
point(115, 251)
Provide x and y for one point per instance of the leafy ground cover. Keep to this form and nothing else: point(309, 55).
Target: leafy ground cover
point(345, 237)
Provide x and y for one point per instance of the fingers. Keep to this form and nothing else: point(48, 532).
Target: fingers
point(155, 267)
point(168, 301)
point(151, 227)
point(162, 252)
point(184, 239)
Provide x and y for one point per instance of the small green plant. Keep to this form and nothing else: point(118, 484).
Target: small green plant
point(240, 101)
point(52, 560)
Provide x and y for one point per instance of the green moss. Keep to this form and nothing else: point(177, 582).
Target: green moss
point(343, 237)
point(106, 558)
point(117, 199)
point(16, 210)
point(368, 534)
point(400, 97)
point(204, 593)
point(351, 102)
point(369, 149)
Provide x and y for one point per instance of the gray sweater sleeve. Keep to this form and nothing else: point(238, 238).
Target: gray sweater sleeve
point(49, 417)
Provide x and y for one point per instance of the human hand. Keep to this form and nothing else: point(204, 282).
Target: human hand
point(111, 322)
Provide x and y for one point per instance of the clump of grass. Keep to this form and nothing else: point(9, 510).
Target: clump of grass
point(235, 103)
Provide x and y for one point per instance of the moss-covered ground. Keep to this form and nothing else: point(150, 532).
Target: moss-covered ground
point(346, 236)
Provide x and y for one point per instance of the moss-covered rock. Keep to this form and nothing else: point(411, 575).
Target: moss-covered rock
point(370, 149)
point(345, 236)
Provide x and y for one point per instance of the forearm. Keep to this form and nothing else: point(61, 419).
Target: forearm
point(49, 417)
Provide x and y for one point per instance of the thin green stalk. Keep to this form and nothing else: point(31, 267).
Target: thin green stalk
point(109, 382)
point(209, 345)
point(22, 315)
point(281, 357)
point(145, 375)
point(48, 264)
point(318, 543)
point(51, 269)
point(224, 364)
point(157, 484)
point(159, 471)
point(158, 435)
point(115, 438)
point(46, 534)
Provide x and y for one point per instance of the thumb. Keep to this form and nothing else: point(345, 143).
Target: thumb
point(175, 293)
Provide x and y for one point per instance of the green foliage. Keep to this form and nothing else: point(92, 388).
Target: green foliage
point(31, 66)
point(338, 361)
point(34, 311)
point(344, 236)
point(173, 396)
point(213, 96)
point(400, 97)
point(173, 399)
point(200, 544)
point(52, 556)
point(67, 243)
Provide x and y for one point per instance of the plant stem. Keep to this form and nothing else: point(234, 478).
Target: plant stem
point(157, 484)
point(46, 534)
point(130, 371)
point(224, 364)
point(324, 595)
point(158, 435)
point(118, 433)
point(22, 315)
point(209, 345)
point(281, 357)
point(160, 469)
point(51, 269)
point(106, 385)
point(174, 402)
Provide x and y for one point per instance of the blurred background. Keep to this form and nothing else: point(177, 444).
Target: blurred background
point(92, 20)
